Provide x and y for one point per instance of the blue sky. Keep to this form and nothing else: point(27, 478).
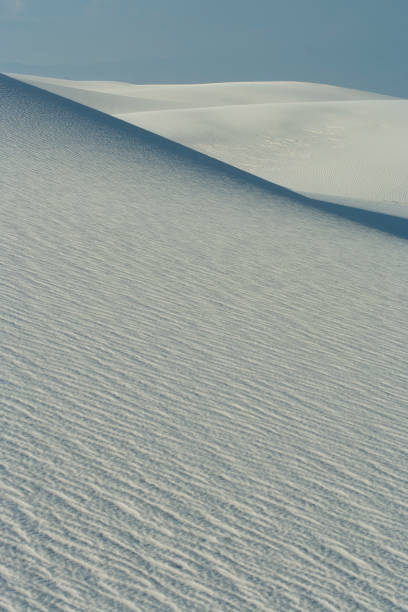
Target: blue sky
point(356, 43)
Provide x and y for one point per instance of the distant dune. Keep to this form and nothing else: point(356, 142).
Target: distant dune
point(335, 143)
point(204, 373)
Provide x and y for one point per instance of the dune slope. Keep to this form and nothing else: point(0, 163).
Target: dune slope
point(204, 380)
point(339, 144)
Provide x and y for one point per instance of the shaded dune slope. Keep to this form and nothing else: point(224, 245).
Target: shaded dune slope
point(204, 379)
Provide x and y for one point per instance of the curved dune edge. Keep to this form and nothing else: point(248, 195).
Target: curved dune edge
point(395, 224)
point(312, 138)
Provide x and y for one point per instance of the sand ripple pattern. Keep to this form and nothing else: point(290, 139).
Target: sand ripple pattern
point(204, 382)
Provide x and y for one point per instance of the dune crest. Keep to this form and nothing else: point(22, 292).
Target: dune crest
point(334, 143)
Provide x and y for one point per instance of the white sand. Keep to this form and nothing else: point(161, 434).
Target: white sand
point(328, 141)
point(204, 380)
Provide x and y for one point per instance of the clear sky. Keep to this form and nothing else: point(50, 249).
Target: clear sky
point(356, 43)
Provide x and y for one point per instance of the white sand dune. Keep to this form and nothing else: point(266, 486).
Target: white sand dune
point(204, 379)
point(335, 143)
